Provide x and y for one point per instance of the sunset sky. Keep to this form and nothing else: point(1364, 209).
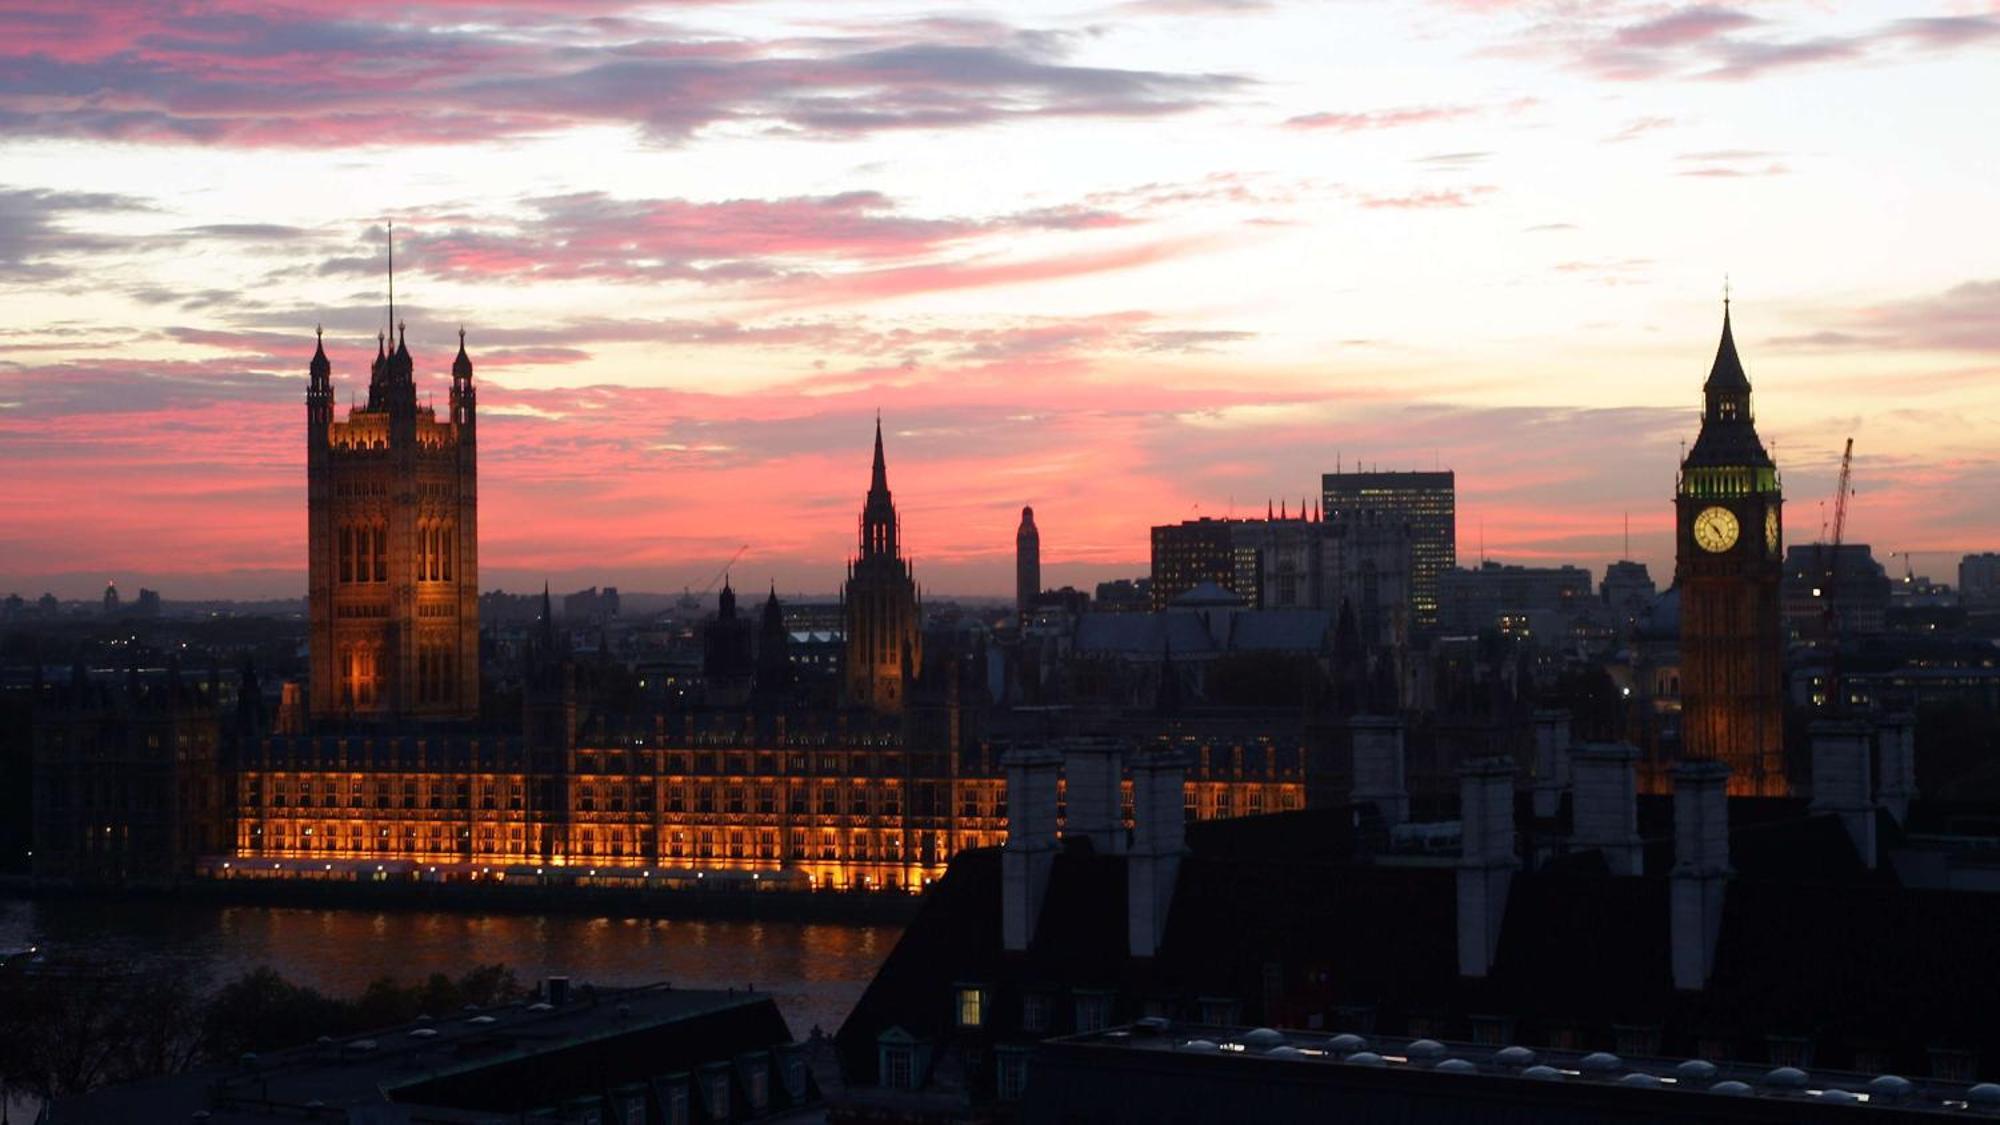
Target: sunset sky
point(1125, 262)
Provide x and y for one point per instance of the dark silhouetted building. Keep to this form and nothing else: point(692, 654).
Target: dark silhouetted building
point(880, 604)
point(1528, 601)
point(591, 605)
point(393, 545)
point(1828, 589)
point(1027, 565)
point(1123, 595)
point(728, 653)
point(1979, 581)
point(1628, 592)
point(1727, 567)
point(1426, 501)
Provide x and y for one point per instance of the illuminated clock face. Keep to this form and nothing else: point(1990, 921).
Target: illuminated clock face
point(1715, 530)
point(1771, 530)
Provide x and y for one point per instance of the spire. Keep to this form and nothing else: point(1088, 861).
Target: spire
point(879, 482)
point(461, 364)
point(1727, 371)
point(320, 367)
point(548, 621)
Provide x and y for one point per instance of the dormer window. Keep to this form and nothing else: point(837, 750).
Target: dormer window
point(971, 1006)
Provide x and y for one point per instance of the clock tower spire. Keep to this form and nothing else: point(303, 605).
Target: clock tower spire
point(1728, 562)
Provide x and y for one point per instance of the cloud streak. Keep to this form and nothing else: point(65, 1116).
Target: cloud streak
point(257, 76)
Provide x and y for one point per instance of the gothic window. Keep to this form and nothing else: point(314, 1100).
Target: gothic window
point(346, 554)
point(381, 552)
point(444, 533)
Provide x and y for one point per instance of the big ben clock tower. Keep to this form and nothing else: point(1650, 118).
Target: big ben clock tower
point(1730, 537)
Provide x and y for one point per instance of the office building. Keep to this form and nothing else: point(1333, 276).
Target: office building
point(1426, 501)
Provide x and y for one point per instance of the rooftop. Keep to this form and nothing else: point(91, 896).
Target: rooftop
point(489, 1065)
point(1197, 1067)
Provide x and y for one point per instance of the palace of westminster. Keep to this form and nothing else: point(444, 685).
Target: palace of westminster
point(405, 755)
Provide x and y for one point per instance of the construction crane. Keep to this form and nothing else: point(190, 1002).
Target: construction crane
point(1830, 565)
point(691, 601)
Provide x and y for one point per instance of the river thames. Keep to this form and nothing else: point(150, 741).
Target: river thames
point(814, 970)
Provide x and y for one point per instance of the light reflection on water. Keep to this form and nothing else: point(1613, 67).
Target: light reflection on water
point(815, 971)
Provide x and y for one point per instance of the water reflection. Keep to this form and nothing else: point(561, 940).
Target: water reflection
point(815, 971)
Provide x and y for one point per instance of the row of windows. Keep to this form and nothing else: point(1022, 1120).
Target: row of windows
point(435, 544)
point(801, 845)
point(1200, 800)
point(364, 553)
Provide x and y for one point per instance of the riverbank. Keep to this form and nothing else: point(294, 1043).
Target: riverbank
point(720, 903)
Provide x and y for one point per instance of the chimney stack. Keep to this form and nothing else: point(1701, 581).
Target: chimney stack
point(1896, 763)
point(1031, 842)
point(1604, 805)
point(1159, 839)
point(1842, 780)
point(1092, 801)
point(1379, 766)
point(1701, 869)
point(1551, 760)
point(1487, 860)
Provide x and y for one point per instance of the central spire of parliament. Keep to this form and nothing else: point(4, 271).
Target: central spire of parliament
point(880, 603)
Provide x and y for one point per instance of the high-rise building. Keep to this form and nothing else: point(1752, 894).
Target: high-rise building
point(1192, 552)
point(1727, 567)
point(1628, 593)
point(1979, 580)
point(393, 545)
point(1426, 501)
point(1027, 566)
point(880, 604)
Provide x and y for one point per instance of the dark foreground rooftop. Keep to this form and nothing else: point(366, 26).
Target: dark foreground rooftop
point(1154, 1071)
point(618, 1057)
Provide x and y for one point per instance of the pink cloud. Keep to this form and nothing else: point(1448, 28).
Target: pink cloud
point(1445, 198)
point(1400, 117)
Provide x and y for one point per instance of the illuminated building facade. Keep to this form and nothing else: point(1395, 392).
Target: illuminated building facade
point(1728, 566)
point(393, 546)
point(883, 613)
point(846, 805)
point(1426, 502)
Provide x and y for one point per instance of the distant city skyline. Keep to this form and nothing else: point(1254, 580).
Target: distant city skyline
point(1127, 263)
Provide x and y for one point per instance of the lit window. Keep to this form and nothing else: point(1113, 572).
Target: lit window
point(971, 1007)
